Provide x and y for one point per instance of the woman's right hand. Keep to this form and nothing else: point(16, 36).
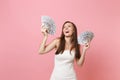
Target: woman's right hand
point(44, 30)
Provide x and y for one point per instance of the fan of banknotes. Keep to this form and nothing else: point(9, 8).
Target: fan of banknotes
point(85, 37)
point(49, 24)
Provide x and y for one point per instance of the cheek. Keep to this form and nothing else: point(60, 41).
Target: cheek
point(63, 30)
point(72, 30)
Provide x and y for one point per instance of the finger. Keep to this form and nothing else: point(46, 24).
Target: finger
point(87, 45)
point(43, 30)
point(43, 27)
point(46, 30)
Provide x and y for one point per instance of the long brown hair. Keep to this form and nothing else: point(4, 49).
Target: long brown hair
point(74, 42)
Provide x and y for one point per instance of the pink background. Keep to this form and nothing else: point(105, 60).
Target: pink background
point(20, 37)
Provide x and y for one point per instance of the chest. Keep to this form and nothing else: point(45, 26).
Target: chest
point(66, 56)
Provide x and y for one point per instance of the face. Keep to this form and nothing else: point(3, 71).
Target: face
point(68, 29)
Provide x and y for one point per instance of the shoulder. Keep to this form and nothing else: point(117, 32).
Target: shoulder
point(57, 40)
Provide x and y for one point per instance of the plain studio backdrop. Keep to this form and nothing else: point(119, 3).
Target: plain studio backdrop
point(20, 37)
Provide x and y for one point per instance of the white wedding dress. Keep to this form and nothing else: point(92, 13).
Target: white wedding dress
point(64, 66)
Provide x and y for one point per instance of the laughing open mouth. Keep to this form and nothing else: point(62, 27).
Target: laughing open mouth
point(67, 32)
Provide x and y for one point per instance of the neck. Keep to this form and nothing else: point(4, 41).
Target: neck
point(68, 40)
point(68, 44)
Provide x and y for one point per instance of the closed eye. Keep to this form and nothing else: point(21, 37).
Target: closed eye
point(69, 26)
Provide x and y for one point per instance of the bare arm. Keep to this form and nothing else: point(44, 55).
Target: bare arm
point(82, 58)
point(46, 48)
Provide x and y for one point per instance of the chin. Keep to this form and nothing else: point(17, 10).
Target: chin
point(67, 35)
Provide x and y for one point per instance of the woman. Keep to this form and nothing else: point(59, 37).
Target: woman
point(67, 49)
